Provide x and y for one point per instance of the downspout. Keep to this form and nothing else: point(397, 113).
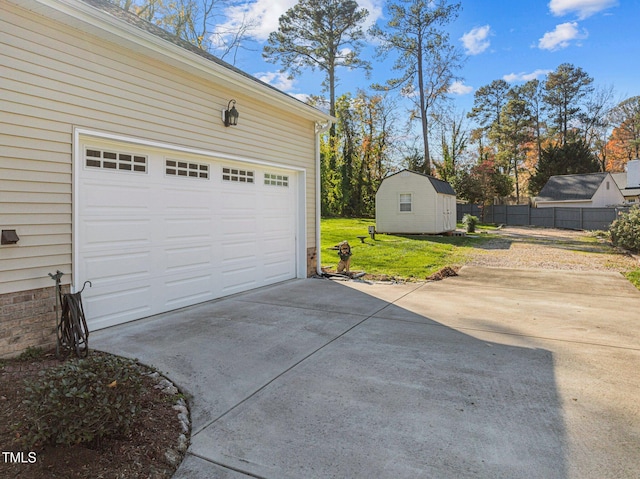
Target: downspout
point(320, 129)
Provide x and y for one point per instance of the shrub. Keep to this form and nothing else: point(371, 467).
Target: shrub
point(625, 231)
point(83, 401)
point(31, 354)
point(470, 222)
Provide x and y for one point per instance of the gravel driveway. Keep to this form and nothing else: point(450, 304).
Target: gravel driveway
point(546, 248)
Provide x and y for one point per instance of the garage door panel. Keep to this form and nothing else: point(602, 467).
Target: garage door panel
point(235, 251)
point(112, 234)
point(188, 258)
point(180, 292)
point(278, 202)
point(193, 210)
point(239, 278)
point(105, 269)
point(109, 198)
point(277, 269)
point(188, 229)
point(179, 192)
point(282, 246)
point(116, 305)
point(277, 228)
point(155, 242)
point(236, 225)
point(238, 196)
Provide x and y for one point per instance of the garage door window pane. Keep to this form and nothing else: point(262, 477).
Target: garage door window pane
point(237, 175)
point(113, 160)
point(405, 202)
point(184, 169)
point(276, 180)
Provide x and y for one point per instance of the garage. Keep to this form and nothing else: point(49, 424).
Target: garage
point(159, 228)
point(119, 168)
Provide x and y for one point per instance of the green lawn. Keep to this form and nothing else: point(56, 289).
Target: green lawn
point(399, 256)
point(634, 277)
point(406, 256)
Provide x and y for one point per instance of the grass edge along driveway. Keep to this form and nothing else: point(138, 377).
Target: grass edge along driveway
point(405, 256)
point(398, 256)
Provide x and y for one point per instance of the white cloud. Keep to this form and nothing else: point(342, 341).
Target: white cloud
point(459, 88)
point(263, 16)
point(303, 97)
point(276, 79)
point(583, 8)
point(524, 77)
point(281, 82)
point(561, 37)
point(476, 41)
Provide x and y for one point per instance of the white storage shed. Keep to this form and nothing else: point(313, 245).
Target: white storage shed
point(414, 203)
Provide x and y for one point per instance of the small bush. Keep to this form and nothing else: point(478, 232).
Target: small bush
point(625, 231)
point(470, 222)
point(83, 401)
point(31, 354)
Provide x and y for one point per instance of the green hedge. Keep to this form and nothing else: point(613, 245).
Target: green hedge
point(625, 231)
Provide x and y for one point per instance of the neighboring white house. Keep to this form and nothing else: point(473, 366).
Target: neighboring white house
point(591, 190)
point(629, 182)
point(414, 203)
point(116, 167)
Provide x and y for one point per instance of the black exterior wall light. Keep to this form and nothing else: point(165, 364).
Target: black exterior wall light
point(230, 115)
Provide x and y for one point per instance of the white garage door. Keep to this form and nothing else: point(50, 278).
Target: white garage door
point(159, 231)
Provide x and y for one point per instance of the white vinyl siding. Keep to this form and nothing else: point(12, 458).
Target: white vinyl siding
point(54, 78)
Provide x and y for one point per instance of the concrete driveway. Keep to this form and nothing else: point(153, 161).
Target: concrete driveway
point(496, 373)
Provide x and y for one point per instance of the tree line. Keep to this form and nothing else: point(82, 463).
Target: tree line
point(509, 144)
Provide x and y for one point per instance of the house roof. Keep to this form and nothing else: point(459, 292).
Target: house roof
point(571, 187)
point(439, 185)
point(108, 21)
point(621, 181)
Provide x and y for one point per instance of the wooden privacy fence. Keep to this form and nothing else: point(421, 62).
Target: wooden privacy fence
point(556, 217)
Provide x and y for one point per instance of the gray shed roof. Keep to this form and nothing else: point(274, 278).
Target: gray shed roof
point(440, 186)
point(571, 187)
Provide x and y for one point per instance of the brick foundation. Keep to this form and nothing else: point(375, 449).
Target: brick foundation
point(312, 262)
point(27, 319)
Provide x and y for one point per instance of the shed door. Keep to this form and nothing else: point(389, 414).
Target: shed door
point(159, 231)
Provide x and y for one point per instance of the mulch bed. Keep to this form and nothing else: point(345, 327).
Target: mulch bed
point(141, 454)
point(446, 272)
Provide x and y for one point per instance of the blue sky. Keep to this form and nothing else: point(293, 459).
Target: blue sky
point(515, 40)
